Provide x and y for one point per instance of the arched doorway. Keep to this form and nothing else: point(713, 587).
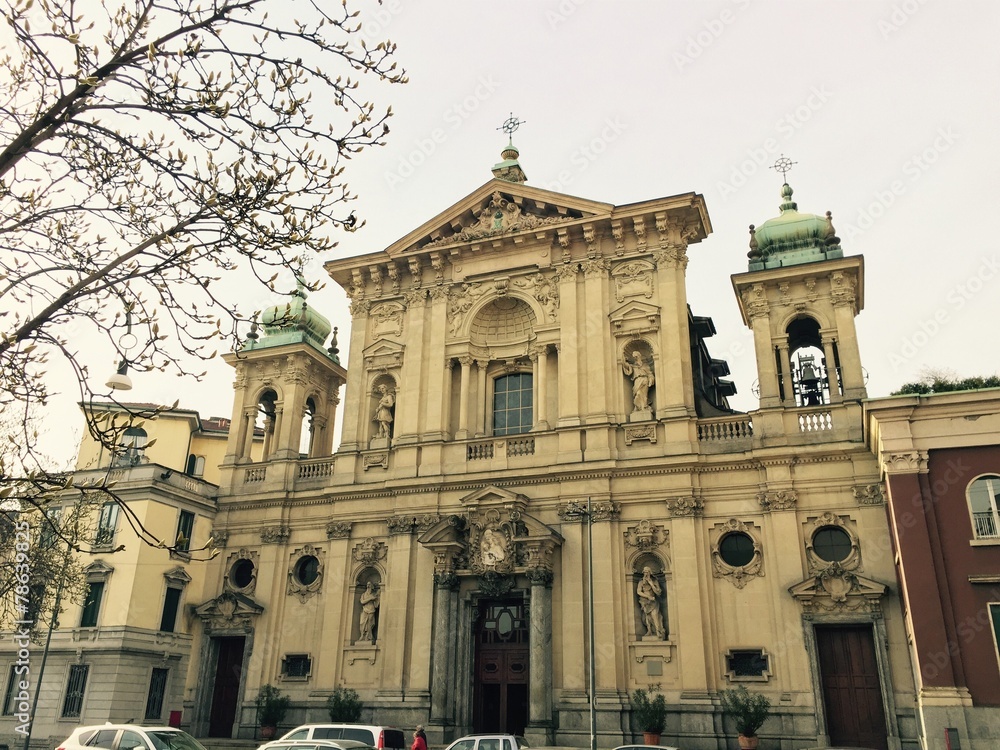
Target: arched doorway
point(500, 699)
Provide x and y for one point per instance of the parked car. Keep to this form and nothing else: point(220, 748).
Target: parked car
point(645, 747)
point(315, 745)
point(382, 738)
point(488, 742)
point(129, 737)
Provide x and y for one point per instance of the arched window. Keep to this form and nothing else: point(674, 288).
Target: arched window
point(196, 465)
point(512, 404)
point(984, 499)
point(132, 449)
point(809, 381)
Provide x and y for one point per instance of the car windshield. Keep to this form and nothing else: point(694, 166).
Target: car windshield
point(164, 740)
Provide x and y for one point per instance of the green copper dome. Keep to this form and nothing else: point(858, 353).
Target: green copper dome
point(292, 322)
point(792, 238)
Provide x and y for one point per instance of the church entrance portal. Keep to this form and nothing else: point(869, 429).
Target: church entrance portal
point(501, 687)
point(226, 691)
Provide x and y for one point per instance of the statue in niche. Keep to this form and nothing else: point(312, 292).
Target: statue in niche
point(370, 600)
point(642, 381)
point(383, 412)
point(648, 592)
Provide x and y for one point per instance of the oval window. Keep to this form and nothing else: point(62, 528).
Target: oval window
point(307, 570)
point(832, 543)
point(736, 549)
point(241, 574)
point(505, 623)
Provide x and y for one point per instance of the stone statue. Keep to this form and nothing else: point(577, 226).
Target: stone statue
point(383, 412)
point(642, 381)
point(648, 592)
point(370, 600)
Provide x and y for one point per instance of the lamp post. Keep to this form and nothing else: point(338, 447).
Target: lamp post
point(576, 510)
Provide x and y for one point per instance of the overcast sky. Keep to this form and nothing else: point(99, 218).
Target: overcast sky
point(890, 109)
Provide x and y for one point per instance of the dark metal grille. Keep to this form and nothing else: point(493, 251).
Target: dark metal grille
point(747, 663)
point(157, 689)
point(296, 665)
point(75, 687)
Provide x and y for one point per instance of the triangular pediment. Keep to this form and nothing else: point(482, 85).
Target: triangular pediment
point(497, 209)
point(229, 611)
point(492, 496)
point(634, 317)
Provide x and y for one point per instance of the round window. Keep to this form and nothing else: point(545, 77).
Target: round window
point(736, 549)
point(241, 574)
point(832, 543)
point(307, 570)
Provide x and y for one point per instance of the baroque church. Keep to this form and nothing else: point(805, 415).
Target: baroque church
point(541, 501)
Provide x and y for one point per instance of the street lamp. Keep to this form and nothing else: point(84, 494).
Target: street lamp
point(576, 510)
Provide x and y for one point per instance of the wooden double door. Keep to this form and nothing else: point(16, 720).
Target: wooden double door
point(500, 695)
point(852, 690)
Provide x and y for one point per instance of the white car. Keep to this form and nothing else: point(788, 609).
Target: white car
point(315, 744)
point(488, 742)
point(129, 737)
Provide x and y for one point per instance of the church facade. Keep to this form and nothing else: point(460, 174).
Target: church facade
point(542, 500)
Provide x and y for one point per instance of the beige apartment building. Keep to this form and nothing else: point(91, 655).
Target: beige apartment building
point(529, 402)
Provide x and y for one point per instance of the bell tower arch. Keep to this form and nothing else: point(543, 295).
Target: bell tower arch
point(286, 387)
point(800, 297)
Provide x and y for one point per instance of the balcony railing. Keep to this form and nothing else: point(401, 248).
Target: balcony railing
point(725, 428)
point(986, 525)
point(500, 447)
point(317, 468)
point(815, 421)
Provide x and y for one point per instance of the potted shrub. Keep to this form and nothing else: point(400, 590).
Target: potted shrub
point(272, 707)
point(344, 706)
point(650, 715)
point(749, 711)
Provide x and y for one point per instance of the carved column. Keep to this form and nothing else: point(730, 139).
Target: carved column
point(540, 648)
point(540, 360)
point(432, 410)
point(569, 348)
point(686, 549)
point(449, 365)
point(356, 412)
point(674, 381)
point(832, 376)
point(787, 382)
point(249, 415)
point(481, 398)
point(463, 399)
point(445, 626)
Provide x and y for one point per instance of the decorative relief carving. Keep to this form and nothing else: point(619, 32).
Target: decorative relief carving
point(540, 576)
point(379, 460)
point(359, 307)
point(738, 575)
point(459, 302)
point(438, 293)
point(604, 510)
point(595, 268)
point(639, 227)
point(633, 279)
point(220, 538)
point(400, 524)
point(446, 580)
point(640, 432)
point(500, 216)
point(837, 591)
point(544, 290)
point(386, 319)
point(646, 535)
point(671, 255)
point(425, 521)
point(369, 552)
point(415, 297)
point(338, 530)
point(617, 231)
point(567, 271)
point(905, 463)
point(869, 494)
point(495, 585)
point(777, 500)
point(755, 301)
point(275, 534)
point(685, 506)
point(491, 543)
point(842, 289)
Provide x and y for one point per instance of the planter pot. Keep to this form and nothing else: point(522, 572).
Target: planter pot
point(748, 743)
point(651, 738)
point(268, 732)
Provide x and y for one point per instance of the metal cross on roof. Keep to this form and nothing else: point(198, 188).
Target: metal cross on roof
point(784, 165)
point(510, 125)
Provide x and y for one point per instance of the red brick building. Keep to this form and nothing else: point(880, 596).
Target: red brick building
point(940, 459)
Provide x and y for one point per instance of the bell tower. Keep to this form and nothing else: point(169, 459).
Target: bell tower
point(286, 389)
point(800, 297)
